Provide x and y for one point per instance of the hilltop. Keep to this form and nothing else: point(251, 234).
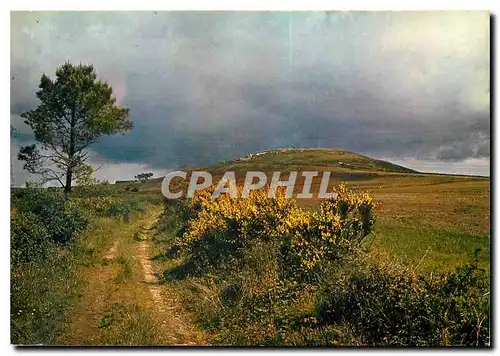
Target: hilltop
point(342, 164)
point(312, 159)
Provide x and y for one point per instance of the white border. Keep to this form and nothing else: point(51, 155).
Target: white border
point(254, 5)
point(180, 5)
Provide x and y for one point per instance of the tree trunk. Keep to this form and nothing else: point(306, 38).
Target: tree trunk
point(69, 169)
point(69, 177)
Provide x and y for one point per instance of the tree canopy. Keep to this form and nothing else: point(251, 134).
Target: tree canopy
point(143, 177)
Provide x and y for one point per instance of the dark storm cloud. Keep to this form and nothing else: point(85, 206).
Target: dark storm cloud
point(204, 87)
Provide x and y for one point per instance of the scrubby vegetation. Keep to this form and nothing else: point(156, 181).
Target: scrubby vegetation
point(258, 271)
point(266, 272)
point(46, 252)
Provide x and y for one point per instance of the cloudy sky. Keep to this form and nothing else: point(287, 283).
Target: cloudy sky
point(411, 87)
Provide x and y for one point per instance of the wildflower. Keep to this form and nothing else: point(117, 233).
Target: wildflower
point(313, 236)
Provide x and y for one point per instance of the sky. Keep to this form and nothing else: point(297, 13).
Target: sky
point(409, 87)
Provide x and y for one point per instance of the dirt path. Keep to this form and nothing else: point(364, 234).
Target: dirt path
point(167, 306)
point(124, 303)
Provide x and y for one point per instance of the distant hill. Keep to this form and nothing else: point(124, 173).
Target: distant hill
point(339, 162)
point(343, 164)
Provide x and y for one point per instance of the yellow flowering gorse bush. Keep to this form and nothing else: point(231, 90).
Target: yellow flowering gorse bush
point(334, 229)
point(309, 237)
point(241, 218)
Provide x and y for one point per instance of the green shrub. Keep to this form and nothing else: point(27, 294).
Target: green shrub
point(100, 189)
point(399, 308)
point(53, 211)
point(30, 239)
point(132, 188)
point(123, 208)
point(174, 220)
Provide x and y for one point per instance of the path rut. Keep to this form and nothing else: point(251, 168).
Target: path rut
point(166, 303)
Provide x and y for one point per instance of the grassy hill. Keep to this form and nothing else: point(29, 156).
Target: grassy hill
point(439, 221)
point(286, 160)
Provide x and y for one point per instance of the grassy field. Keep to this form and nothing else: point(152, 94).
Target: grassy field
point(439, 221)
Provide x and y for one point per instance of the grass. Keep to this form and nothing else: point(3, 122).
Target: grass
point(439, 249)
point(130, 325)
point(126, 272)
point(43, 292)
